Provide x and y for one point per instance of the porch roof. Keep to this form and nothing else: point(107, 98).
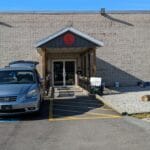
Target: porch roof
point(75, 32)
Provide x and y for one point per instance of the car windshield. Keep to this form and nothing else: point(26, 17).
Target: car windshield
point(17, 77)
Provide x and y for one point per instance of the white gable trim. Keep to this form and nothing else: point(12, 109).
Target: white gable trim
point(71, 29)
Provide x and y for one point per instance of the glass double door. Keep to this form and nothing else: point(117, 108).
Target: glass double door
point(64, 73)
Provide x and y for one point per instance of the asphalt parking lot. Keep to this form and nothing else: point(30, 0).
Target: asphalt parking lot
point(81, 123)
point(80, 108)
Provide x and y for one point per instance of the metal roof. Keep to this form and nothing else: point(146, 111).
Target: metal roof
point(73, 30)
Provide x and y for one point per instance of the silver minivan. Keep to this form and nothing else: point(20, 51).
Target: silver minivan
point(20, 88)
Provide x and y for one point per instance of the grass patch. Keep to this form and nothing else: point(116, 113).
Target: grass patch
point(141, 116)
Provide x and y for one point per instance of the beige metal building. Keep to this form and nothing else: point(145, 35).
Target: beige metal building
point(71, 47)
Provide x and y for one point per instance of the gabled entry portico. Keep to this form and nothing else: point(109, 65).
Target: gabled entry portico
point(66, 55)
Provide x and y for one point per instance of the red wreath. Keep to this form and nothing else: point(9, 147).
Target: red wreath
point(69, 39)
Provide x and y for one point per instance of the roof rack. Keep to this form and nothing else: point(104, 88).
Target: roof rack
point(23, 63)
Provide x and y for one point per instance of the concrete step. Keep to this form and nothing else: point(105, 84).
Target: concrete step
point(64, 92)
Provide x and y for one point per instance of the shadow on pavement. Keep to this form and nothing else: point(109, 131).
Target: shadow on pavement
point(61, 107)
point(75, 106)
point(122, 90)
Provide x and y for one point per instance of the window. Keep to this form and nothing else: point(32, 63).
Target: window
point(17, 77)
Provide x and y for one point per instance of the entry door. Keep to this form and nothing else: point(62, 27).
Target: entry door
point(70, 73)
point(64, 73)
point(58, 73)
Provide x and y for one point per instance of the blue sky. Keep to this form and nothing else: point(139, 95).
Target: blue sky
point(68, 5)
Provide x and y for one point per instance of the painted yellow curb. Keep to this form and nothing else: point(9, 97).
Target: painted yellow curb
point(99, 114)
point(84, 118)
point(104, 108)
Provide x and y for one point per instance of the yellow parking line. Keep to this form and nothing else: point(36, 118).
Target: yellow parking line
point(65, 110)
point(84, 118)
point(100, 114)
point(51, 108)
point(104, 108)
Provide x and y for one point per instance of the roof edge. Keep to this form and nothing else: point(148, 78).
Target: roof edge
point(64, 30)
point(78, 12)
